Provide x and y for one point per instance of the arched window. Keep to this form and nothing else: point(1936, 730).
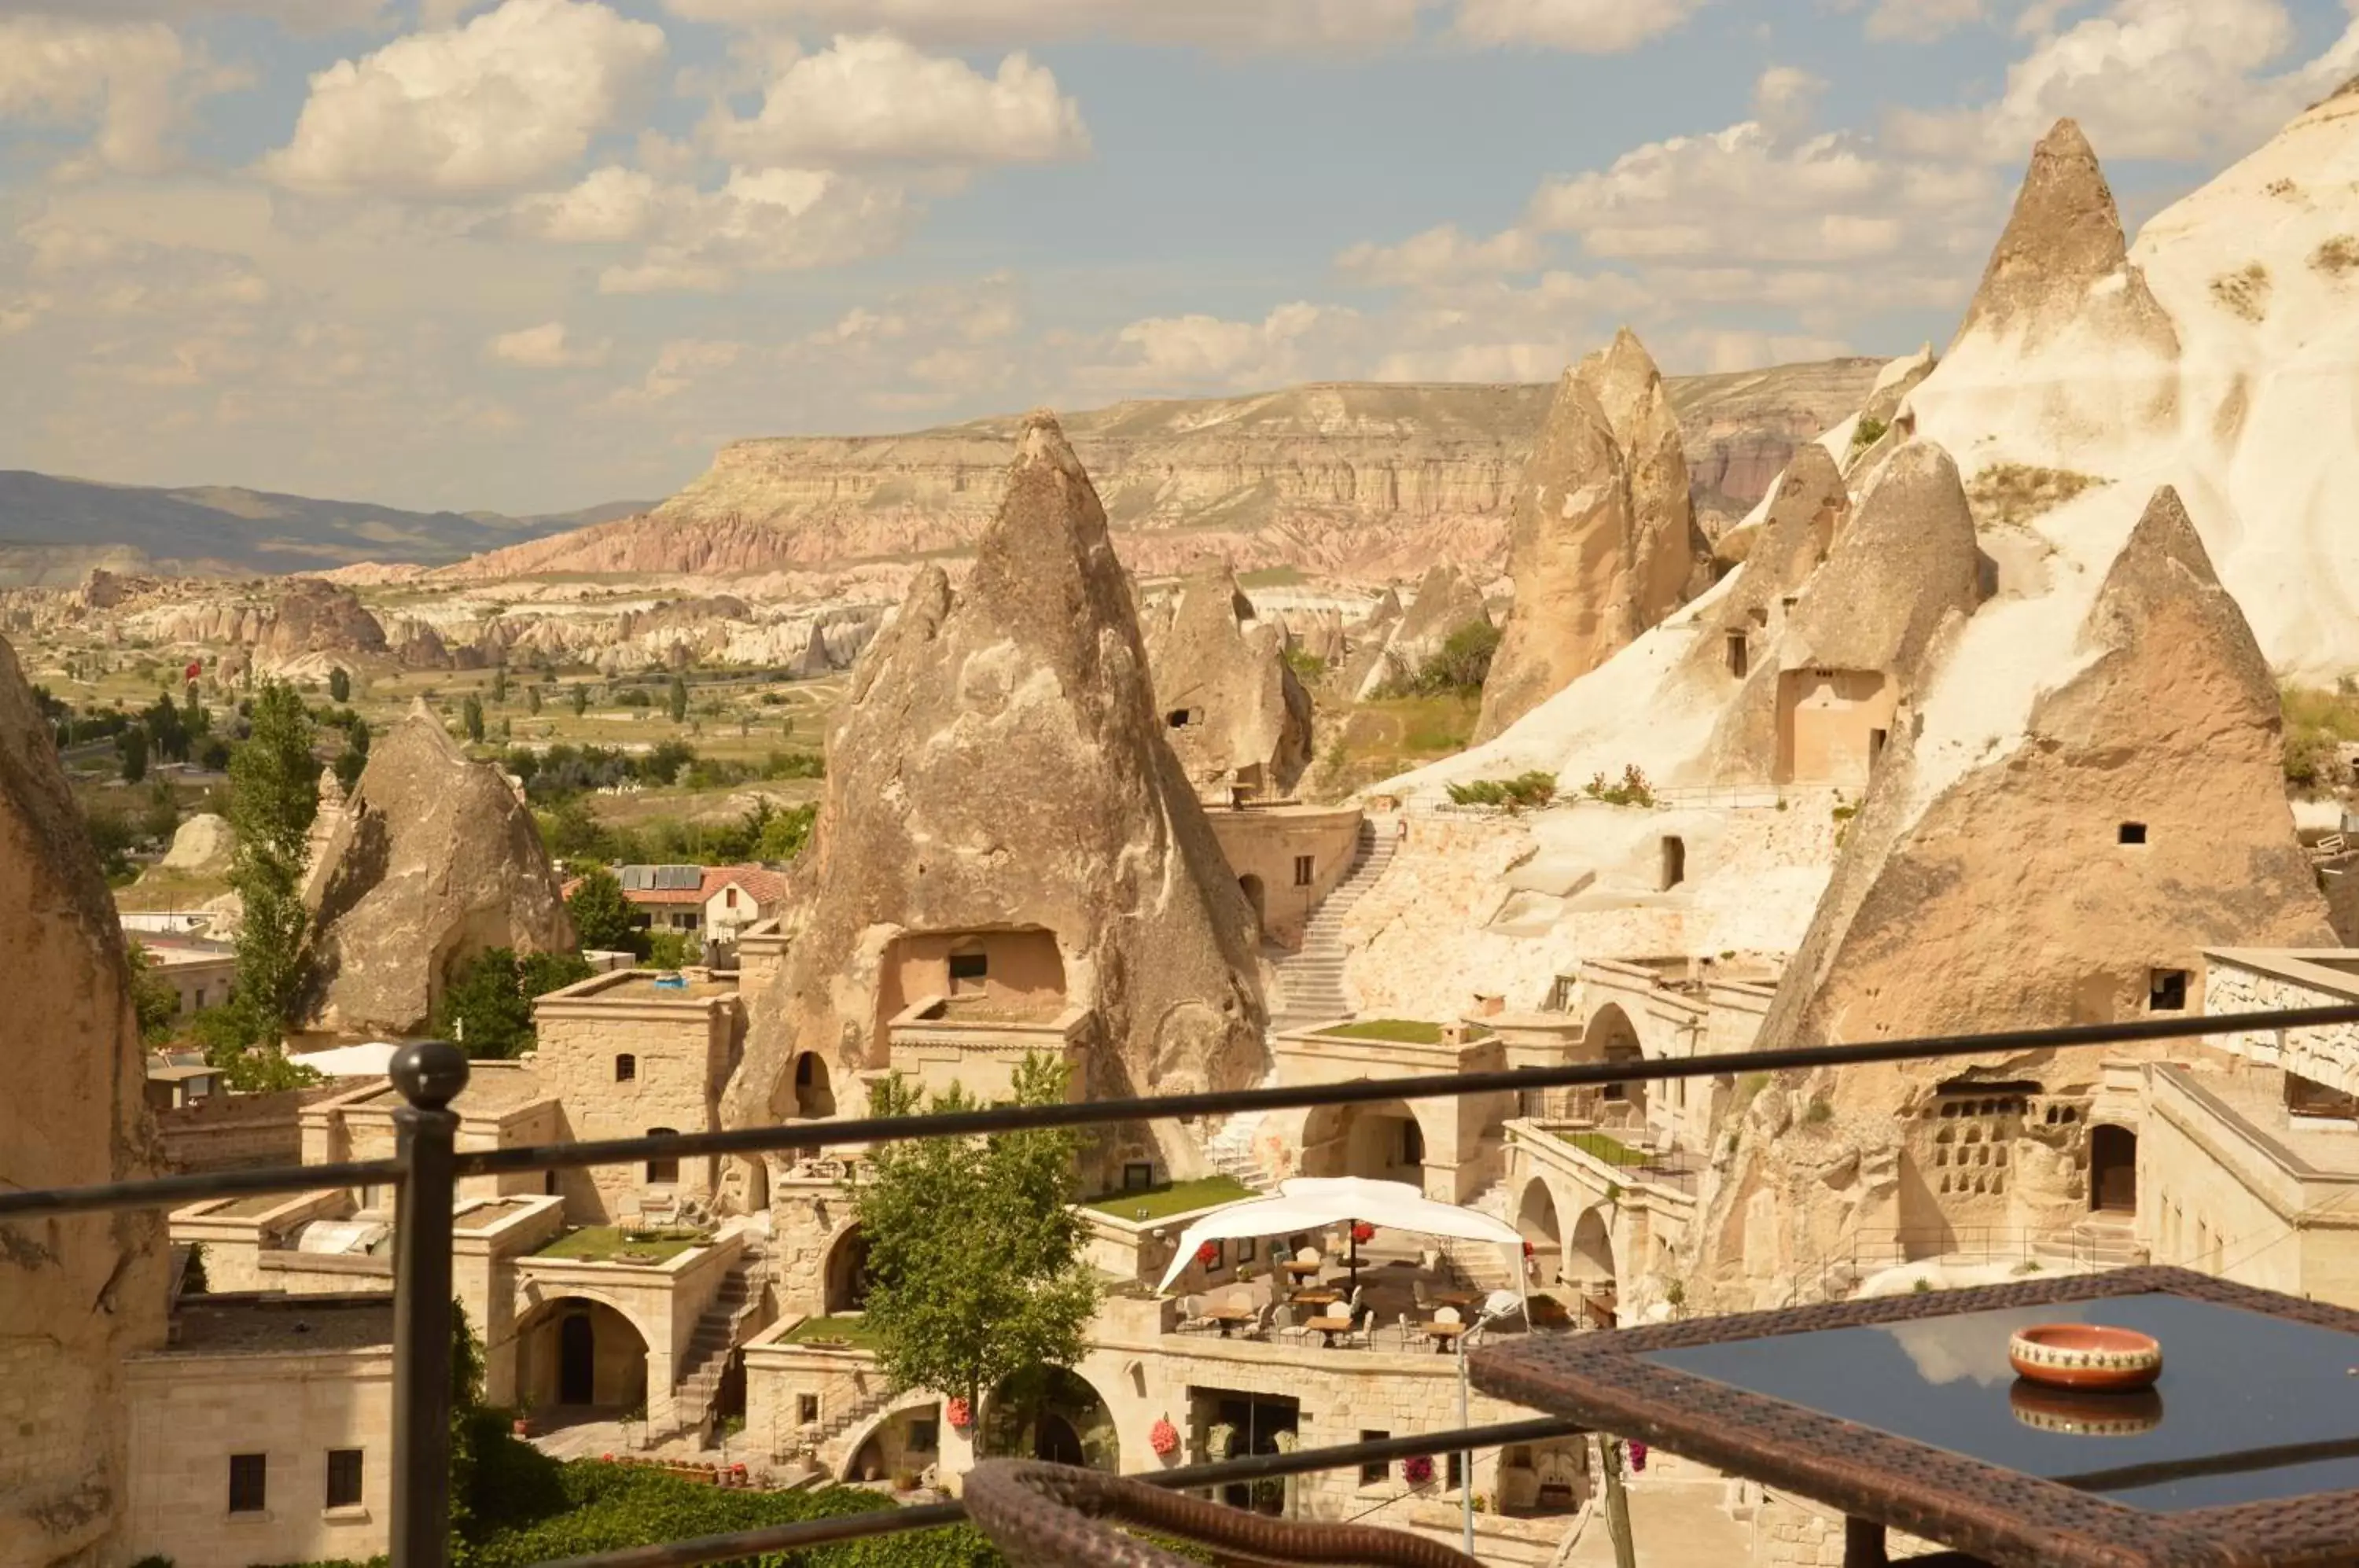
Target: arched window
point(627, 1067)
point(663, 1168)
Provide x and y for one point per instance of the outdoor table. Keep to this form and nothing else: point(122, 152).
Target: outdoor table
point(1318, 1298)
point(1903, 1412)
point(1454, 1297)
point(1304, 1270)
point(1330, 1327)
point(1443, 1334)
point(1229, 1317)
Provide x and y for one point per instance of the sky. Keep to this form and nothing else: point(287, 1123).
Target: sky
point(531, 255)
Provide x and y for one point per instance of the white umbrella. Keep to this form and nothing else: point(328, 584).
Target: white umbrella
point(368, 1061)
point(1308, 1203)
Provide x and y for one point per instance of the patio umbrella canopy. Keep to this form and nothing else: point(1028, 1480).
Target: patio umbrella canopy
point(1310, 1202)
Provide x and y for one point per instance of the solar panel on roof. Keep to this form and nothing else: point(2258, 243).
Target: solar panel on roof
point(677, 879)
point(636, 878)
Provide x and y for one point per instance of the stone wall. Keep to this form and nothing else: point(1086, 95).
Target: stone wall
point(226, 1132)
point(1263, 844)
point(190, 1413)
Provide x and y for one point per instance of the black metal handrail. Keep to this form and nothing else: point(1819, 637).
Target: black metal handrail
point(426, 1166)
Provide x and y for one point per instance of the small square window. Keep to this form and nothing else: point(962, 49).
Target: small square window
point(2165, 990)
point(732, 900)
point(968, 972)
point(1450, 1472)
point(2133, 832)
point(1376, 1472)
point(249, 1476)
point(626, 1067)
point(344, 1477)
point(1305, 867)
point(1137, 1175)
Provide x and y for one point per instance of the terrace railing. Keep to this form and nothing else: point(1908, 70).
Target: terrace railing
point(426, 1166)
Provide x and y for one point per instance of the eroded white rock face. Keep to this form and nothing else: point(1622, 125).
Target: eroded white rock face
point(78, 1294)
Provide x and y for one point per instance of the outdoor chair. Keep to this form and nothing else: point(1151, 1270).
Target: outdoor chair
point(1363, 1333)
point(1191, 1315)
point(1424, 1297)
point(1359, 1296)
point(1307, 1255)
point(1282, 1324)
point(1447, 1314)
point(1259, 1328)
point(1408, 1331)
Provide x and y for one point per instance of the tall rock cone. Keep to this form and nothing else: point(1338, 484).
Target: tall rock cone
point(431, 861)
point(1605, 543)
point(1233, 710)
point(2075, 874)
point(2063, 239)
point(1004, 828)
point(76, 1294)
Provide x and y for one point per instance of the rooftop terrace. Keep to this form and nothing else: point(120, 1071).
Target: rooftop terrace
point(267, 1323)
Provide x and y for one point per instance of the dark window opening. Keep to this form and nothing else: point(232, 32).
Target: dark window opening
point(1449, 1473)
point(1137, 1175)
point(969, 971)
point(1179, 718)
point(248, 1483)
point(2133, 832)
point(1375, 1473)
point(1412, 1144)
point(1876, 740)
point(925, 1436)
point(626, 1067)
point(1674, 863)
point(1737, 655)
point(344, 1477)
point(806, 1408)
point(2166, 990)
point(664, 1168)
point(1305, 866)
point(2308, 1097)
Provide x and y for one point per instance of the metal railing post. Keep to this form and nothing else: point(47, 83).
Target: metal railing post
point(429, 1074)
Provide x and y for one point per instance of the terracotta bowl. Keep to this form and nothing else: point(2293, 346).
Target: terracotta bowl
point(2081, 1414)
point(2085, 1355)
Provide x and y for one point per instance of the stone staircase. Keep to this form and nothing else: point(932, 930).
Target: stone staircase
point(1311, 981)
point(2100, 1241)
point(1231, 1149)
point(719, 1330)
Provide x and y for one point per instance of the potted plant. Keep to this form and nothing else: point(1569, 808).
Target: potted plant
point(961, 1413)
point(1163, 1438)
point(522, 1425)
point(1417, 1470)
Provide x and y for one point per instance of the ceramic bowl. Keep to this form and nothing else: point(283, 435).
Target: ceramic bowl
point(2081, 1413)
point(2088, 1357)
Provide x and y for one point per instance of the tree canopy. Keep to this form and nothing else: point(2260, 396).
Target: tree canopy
point(274, 795)
point(1003, 1289)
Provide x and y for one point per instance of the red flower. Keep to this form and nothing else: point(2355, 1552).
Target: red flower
point(1163, 1437)
point(1416, 1469)
point(1209, 1254)
point(962, 1414)
point(1362, 1232)
point(1527, 1249)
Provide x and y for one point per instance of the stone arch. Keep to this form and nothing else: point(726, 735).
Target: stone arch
point(1543, 1232)
point(580, 1351)
point(1611, 1036)
point(1052, 1413)
point(866, 1429)
point(814, 1085)
point(1592, 1251)
point(1385, 1140)
point(844, 1278)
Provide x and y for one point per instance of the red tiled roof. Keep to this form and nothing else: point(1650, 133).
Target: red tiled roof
point(765, 887)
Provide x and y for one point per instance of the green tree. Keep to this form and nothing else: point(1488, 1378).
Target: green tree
point(485, 1008)
point(785, 834)
point(499, 685)
point(581, 699)
point(1462, 663)
point(152, 997)
point(532, 700)
point(132, 746)
point(340, 685)
point(678, 702)
point(274, 795)
point(194, 717)
point(602, 916)
point(167, 732)
point(961, 1308)
point(160, 818)
point(471, 716)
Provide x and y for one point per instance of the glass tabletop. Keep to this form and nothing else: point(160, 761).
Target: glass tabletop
point(2249, 1408)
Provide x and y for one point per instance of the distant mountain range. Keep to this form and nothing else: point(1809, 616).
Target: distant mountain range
point(53, 530)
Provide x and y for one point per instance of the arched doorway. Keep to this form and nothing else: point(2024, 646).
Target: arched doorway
point(1536, 1218)
point(583, 1356)
point(1590, 1269)
point(1050, 1413)
point(2113, 1169)
point(846, 1282)
point(1611, 1036)
point(813, 1096)
point(1382, 1141)
point(904, 1445)
point(1257, 897)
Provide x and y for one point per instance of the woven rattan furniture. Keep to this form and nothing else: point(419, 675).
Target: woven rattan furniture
point(1053, 1516)
point(1901, 1412)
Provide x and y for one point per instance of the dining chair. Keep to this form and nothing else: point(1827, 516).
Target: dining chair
point(1447, 1316)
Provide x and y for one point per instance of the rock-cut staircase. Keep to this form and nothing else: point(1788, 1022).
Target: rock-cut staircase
point(1310, 982)
point(716, 1334)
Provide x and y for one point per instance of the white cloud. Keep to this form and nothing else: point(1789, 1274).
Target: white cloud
point(679, 366)
point(2160, 78)
point(512, 97)
point(133, 81)
point(611, 205)
point(1441, 255)
point(769, 220)
point(1585, 26)
point(547, 347)
point(877, 98)
point(1222, 24)
point(1201, 351)
point(1786, 100)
